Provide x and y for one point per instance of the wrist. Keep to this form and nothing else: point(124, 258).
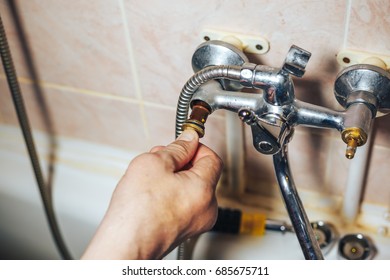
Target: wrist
point(128, 234)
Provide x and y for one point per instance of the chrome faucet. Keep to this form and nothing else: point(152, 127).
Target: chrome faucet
point(222, 71)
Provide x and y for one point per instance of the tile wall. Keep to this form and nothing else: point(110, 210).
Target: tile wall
point(111, 72)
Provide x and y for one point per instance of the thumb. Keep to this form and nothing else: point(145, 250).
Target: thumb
point(180, 152)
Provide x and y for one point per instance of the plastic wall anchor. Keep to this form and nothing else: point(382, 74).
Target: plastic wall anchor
point(247, 43)
point(350, 57)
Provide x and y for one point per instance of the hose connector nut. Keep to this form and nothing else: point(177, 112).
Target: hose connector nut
point(247, 74)
point(194, 125)
point(200, 111)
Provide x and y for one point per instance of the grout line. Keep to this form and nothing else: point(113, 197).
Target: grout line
point(347, 22)
point(134, 68)
point(27, 81)
point(159, 105)
point(129, 45)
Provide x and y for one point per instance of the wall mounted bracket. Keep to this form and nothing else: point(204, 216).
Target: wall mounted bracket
point(351, 57)
point(248, 43)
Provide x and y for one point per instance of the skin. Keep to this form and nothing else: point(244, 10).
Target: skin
point(165, 197)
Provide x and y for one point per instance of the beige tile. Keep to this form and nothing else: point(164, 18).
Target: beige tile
point(318, 91)
point(96, 119)
point(337, 167)
point(7, 110)
point(260, 175)
point(377, 187)
point(369, 26)
point(216, 135)
point(77, 43)
point(382, 131)
point(165, 36)
point(308, 155)
point(161, 125)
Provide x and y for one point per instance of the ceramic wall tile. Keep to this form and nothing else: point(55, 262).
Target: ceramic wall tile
point(377, 188)
point(308, 155)
point(381, 132)
point(78, 44)
point(161, 125)
point(91, 118)
point(165, 36)
point(369, 26)
point(338, 167)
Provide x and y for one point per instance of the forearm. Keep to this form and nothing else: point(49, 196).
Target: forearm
point(129, 235)
point(160, 201)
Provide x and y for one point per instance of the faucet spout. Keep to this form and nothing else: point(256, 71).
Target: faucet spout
point(302, 227)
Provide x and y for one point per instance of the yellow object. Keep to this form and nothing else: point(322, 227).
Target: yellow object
point(195, 125)
point(253, 224)
point(353, 137)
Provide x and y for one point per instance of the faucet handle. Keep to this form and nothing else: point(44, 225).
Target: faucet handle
point(263, 141)
point(296, 61)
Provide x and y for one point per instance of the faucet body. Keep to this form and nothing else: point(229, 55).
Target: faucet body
point(274, 112)
point(277, 106)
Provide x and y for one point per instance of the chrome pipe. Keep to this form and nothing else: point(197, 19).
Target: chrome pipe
point(299, 220)
point(316, 116)
point(217, 98)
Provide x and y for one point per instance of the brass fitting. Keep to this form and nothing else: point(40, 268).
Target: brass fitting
point(198, 117)
point(354, 137)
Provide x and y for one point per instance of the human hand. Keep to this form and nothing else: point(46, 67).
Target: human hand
point(165, 197)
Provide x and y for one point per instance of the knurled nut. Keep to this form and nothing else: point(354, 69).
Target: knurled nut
point(354, 133)
point(194, 125)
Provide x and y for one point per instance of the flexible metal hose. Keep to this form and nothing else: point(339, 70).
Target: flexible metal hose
point(26, 130)
point(210, 73)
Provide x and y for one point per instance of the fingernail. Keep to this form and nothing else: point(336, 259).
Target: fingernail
point(187, 135)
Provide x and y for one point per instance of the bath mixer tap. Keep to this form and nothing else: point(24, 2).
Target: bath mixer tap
point(222, 70)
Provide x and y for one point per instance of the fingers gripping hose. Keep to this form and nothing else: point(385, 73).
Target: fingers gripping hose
point(26, 130)
point(192, 85)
